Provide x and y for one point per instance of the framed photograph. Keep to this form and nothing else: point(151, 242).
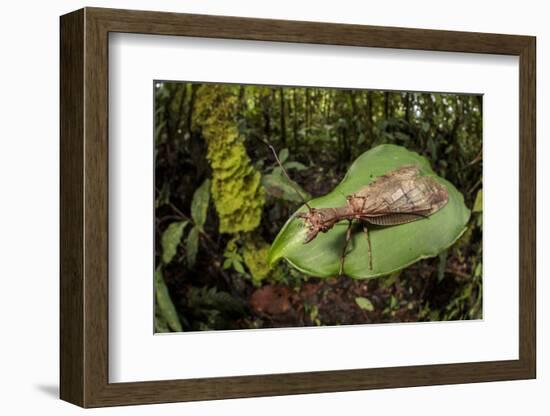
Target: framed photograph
point(254, 207)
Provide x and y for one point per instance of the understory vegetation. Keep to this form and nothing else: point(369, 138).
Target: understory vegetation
point(220, 200)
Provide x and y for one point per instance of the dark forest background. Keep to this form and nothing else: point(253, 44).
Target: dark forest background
point(221, 200)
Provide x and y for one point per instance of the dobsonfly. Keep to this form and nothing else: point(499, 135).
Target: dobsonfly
point(398, 197)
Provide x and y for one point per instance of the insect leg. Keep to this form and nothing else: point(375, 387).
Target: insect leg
point(348, 238)
point(366, 230)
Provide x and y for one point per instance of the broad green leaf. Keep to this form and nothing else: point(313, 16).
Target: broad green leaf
point(364, 303)
point(478, 203)
point(277, 171)
point(171, 239)
point(279, 187)
point(166, 311)
point(192, 246)
point(394, 247)
point(160, 324)
point(283, 155)
point(199, 204)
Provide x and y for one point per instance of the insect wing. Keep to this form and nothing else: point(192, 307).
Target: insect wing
point(393, 219)
point(402, 191)
point(395, 176)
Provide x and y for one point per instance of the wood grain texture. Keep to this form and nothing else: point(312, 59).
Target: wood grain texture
point(96, 215)
point(527, 208)
point(84, 207)
point(225, 27)
point(71, 100)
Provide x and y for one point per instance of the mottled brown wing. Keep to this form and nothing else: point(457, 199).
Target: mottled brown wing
point(382, 182)
point(401, 196)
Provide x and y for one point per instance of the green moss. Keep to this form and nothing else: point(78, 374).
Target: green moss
point(237, 191)
point(236, 186)
point(255, 255)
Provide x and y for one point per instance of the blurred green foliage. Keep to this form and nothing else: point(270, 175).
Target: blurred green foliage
point(221, 200)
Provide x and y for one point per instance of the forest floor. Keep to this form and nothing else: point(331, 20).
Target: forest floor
point(400, 298)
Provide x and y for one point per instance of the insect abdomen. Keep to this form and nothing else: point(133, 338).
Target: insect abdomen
point(394, 219)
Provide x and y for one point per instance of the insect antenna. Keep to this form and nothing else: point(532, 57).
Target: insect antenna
point(288, 177)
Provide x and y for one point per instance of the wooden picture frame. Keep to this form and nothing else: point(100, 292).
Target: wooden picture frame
point(84, 207)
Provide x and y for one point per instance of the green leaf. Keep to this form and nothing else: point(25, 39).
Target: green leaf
point(233, 255)
point(164, 196)
point(394, 247)
point(192, 246)
point(391, 279)
point(166, 311)
point(295, 165)
point(160, 324)
point(283, 155)
point(279, 187)
point(478, 203)
point(210, 300)
point(238, 266)
point(364, 303)
point(199, 204)
point(170, 240)
point(478, 269)
point(402, 136)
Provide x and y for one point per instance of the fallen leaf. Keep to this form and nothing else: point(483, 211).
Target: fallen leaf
point(271, 300)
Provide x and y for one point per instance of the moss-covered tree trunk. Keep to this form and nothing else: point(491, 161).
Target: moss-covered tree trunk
point(237, 191)
point(236, 186)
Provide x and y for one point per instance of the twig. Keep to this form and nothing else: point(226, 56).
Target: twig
point(290, 181)
point(475, 160)
point(168, 217)
point(473, 188)
point(288, 177)
point(177, 211)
